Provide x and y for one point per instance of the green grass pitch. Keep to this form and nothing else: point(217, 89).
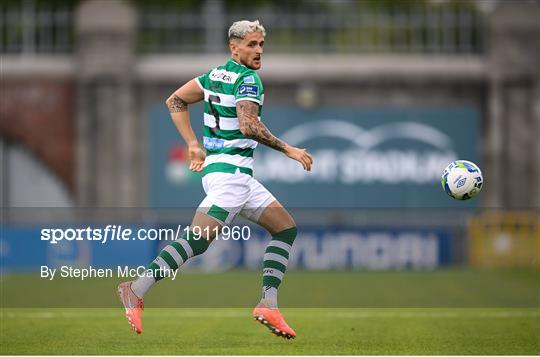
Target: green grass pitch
point(452, 312)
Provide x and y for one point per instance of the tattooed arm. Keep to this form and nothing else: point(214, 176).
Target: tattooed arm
point(250, 125)
point(253, 128)
point(176, 104)
point(178, 107)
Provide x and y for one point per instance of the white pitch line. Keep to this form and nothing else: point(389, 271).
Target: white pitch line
point(430, 314)
point(211, 313)
point(119, 312)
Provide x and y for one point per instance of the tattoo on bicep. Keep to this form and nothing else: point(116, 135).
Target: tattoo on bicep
point(176, 104)
point(252, 128)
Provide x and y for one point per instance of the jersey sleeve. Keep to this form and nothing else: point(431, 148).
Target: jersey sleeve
point(249, 87)
point(202, 80)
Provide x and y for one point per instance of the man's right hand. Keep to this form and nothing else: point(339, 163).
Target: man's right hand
point(196, 158)
point(300, 155)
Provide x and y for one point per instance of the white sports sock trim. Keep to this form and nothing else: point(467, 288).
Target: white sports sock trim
point(184, 243)
point(174, 254)
point(276, 257)
point(273, 272)
point(162, 264)
point(280, 244)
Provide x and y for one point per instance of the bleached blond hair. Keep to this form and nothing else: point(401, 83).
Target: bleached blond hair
point(240, 29)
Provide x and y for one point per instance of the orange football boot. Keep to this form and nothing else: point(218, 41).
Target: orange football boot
point(133, 304)
point(273, 319)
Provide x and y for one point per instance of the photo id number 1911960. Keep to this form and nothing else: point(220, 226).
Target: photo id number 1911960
point(224, 233)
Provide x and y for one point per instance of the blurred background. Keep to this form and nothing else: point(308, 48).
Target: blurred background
point(383, 93)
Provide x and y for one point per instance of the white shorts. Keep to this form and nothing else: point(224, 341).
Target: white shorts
point(228, 195)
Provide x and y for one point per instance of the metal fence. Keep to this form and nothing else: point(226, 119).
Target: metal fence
point(30, 26)
point(320, 27)
point(431, 27)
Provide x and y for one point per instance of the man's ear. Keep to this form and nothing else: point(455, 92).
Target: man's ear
point(233, 46)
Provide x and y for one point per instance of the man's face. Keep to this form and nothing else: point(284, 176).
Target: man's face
point(248, 51)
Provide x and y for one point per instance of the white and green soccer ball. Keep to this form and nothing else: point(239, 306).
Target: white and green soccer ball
point(462, 180)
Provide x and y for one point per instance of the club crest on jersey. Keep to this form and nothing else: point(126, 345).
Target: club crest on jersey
point(249, 90)
point(249, 80)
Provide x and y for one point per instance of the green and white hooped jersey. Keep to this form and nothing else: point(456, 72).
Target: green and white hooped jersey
point(227, 149)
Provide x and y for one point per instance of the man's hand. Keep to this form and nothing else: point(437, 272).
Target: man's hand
point(300, 155)
point(196, 158)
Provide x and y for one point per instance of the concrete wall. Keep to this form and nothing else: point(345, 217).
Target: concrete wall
point(38, 113)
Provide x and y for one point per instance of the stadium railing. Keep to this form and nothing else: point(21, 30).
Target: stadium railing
point(35, 27)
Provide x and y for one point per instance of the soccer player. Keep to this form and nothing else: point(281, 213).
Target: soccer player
point(233, 96)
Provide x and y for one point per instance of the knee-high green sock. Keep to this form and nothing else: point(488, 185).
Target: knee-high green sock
point(169, 259)
point(276, 258)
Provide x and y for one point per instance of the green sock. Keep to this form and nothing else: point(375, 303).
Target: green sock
point(169, 259)
point(276, 258)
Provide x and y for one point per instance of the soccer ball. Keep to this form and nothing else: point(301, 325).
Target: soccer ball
point(462, 180)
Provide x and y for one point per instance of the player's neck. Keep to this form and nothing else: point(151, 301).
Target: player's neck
point(237, 61)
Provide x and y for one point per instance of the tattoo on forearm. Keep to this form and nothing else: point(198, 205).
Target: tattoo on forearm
point(176, 104)
point(252, 128)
